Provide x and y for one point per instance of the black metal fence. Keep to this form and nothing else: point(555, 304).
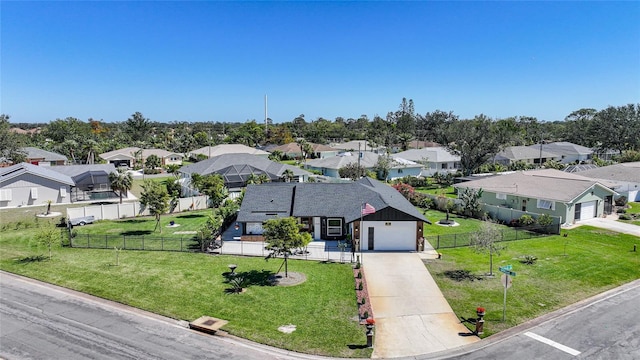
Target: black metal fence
point(185, 243)
point(506, 234)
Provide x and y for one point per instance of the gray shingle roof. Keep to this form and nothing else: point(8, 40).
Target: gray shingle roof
point(563, 148)
point(368, 160)
point(515, 153)
point(548, 184)
point(12, 171)
point(258, 164)
point(619, 172)
point(79, 172)
point(35, 153)
point(266, 201)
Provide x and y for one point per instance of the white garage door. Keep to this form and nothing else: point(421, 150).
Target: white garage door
point(588, 210)
point(390, 235)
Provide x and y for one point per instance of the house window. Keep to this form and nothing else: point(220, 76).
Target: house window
point(399, 171)
point(501, 196)
point(546, 204)
point(34, 193)
point(444, 166)
point(63, 192)
point(5, 195)
point(334, 227)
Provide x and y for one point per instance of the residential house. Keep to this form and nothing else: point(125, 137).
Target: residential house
point(26, 184)
point(41, 157)
point(224, 149)
point(571, 197)
point(134, 156)
point(566, 152)
point(359, 145)
point(292, 151)
point(624, 176)
point(236, 169)
point(91, 181)
point(413, 144)
point(331, 166)
point(331, 211)
point(433, 159)
point(525, 154)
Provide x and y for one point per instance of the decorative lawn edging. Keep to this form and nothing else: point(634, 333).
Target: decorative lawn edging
point(365, 310)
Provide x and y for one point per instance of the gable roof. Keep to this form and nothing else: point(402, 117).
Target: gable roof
point(217, 164)
point(563, 148)
point(368, 160)
point(515, 153)
point(548, 184)
point(35, 153)
point(629, 172)
point(436, 154)
point(127, 152)
point(295, 148)
point(224, 149)
point(265, 201)
point(161, 153)
point(10, 172)
point(353, 146)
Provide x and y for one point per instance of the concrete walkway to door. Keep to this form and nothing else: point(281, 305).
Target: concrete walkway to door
point(412, 316)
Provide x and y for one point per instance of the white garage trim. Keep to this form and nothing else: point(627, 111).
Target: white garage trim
point(389, 235)
point(588, 210)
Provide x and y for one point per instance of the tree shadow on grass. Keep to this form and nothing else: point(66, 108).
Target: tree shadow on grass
point(135, 221)
point(243, 279)
point(462, 275)
point(190, 216)
point(136, 232)
point(30, 259)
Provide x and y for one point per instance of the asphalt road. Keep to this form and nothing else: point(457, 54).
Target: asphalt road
point(607, 327)
point(40, 321)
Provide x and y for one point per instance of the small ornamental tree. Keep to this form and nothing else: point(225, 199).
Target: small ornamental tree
point(156, 199)
point(47, 236)
point(282, 235)
point(486, 240)
point(152, 163)
point(352, 171)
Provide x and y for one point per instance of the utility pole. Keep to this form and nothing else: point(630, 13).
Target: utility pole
point(266, 122)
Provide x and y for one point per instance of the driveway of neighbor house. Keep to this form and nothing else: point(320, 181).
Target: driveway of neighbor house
point(610, 223)
point(412, 316)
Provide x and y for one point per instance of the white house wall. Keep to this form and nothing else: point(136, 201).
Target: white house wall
point(47, 190)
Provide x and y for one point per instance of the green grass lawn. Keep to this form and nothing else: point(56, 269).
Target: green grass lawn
point(136, 188)
point(447, 191)
point(596, 260)
point(466, 224)
point(634, 208)
point(189, 285)
point(145, 225)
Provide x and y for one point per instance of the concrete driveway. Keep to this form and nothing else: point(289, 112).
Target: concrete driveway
point(412, 316)
point(610, 223)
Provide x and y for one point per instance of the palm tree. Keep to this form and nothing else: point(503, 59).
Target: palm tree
point(287, 175)
point(121, 181)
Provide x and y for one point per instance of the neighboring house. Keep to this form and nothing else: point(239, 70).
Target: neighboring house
point(29, 132)
point(433, 159)
point(26, 184)
point(526, 154)
point(333, 211)
point(237, 168)
point(553, 192)
point(413, 144)
point(91, 181)
point(566, 152)
point(331, 166)
point(41, 157)
point(224, 149)
point(361, 145)
point(130, 156)
point(292, 150)
point(625, 176)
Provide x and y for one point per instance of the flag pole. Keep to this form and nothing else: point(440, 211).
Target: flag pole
point(361, 232)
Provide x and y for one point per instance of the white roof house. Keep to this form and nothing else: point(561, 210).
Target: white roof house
point(224, 149)
point(433, 159)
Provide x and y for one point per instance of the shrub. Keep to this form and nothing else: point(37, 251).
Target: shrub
point(528, 259)
point(625, 217)
point(621, 201)
point(526, 220)
point(621, 210)
point(544, 220)
point(360, 287)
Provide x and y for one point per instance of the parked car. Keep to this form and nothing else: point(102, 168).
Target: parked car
point(84, 220)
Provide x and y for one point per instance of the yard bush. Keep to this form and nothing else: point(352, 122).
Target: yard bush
point(526, 220)
point(621, 201)
point(625, 217)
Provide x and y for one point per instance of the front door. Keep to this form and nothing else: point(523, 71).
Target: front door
point(370, 247)
point(608, 204)
point(576, 214)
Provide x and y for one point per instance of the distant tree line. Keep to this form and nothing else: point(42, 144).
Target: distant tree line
point(476, 140)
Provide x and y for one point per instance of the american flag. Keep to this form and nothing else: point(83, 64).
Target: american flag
point(367, 209)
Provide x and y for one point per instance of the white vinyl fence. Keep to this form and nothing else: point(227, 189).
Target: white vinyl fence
point(133, 209)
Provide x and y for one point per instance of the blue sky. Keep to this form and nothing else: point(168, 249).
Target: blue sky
point(215, 61)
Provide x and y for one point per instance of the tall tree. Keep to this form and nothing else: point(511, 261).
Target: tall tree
point(138, 127)
point(486, 240)
point(121, 181)
point(211, 185)
point(475, 141)
point(282, 236)
point(10, 143)
point(155, 198)
point(287, 175)
point(152, 163)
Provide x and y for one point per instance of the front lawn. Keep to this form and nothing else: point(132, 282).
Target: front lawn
point(586, 262)
point(448, 192)
point(189, 285)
